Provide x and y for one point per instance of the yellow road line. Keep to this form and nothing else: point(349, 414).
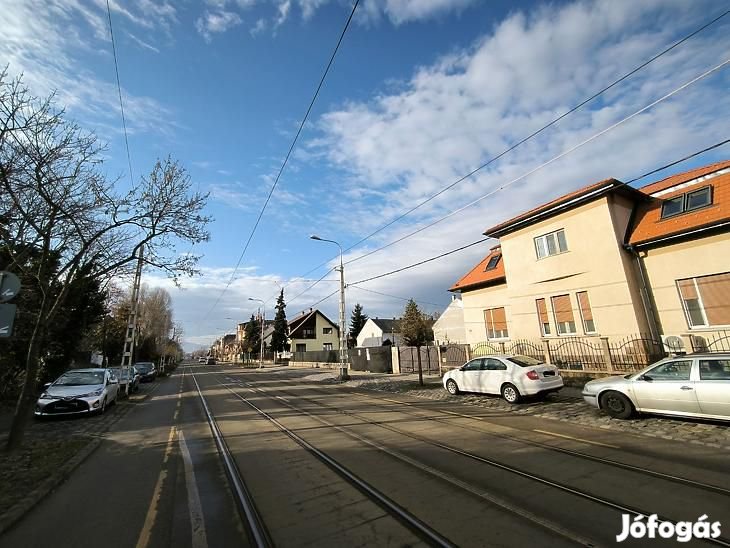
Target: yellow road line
point(149, 521)
point(576, 439)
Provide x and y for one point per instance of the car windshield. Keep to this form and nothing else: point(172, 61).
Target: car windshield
point(117, 372)
point(143, 367)
point(525, 361)
point(80, 378)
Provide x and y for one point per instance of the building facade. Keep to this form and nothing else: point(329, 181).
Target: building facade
point(312, 330)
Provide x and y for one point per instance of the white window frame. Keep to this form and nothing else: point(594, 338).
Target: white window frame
point(582, 319)
point(706, 324)
point(327, 344)
point(539, 320)
point(541, 242)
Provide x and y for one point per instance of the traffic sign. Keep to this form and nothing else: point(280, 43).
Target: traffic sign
point(7, 317)
point(9, 286)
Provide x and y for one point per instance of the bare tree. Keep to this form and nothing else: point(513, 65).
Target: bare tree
point(57, 206)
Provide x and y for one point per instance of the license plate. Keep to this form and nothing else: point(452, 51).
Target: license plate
point(548, 373)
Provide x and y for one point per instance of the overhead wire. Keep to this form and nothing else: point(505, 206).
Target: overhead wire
point(533, 134)
point(397, 297)
point(456, 250)
point(544, 164)
point(288, 155)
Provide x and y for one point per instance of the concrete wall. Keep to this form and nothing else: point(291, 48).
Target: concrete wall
point(665, 265)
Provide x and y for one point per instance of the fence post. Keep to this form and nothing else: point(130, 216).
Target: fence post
point(501, 348)
point(607, 355)
point(438, 356)
point(395, 359)
point(468, 351)
point(546, 350)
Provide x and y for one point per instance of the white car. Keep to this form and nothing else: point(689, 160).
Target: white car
point(512, 376)
point(696, 385)
point(78, 391)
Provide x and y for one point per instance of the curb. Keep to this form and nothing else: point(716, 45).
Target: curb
point(17, 512)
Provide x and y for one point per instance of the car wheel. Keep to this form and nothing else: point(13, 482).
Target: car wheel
point(617, 405)
point(452, 387)
point(510, 393)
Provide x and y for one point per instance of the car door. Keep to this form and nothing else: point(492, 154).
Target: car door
point(494, 374)
point(713, 386)
point(668, 388)
point(469, 375)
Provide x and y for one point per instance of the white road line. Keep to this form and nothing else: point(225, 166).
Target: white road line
point(576, 439)
point(197, 522)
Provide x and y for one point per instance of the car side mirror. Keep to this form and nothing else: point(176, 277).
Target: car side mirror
point(46, 385)
point(646, 378)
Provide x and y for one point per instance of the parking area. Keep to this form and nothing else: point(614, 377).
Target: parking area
point(567, 405)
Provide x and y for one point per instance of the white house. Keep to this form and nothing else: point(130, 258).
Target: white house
point(375, 331)
point(449, 328)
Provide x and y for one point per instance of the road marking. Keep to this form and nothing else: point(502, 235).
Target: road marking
point(149, 521)
point(577, 439)
point(197, 522)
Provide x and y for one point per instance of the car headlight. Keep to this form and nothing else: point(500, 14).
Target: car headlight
point(46, 396)
point(94, 393)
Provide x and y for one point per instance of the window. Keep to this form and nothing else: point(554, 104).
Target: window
point(670, 371)
point(706, 300)
point(551, 244)
point(543, 317)
point(715, 370)
point(496, 322)
point(493, 262)
point(687, 202)
point(563, 311)
point(473, 365)
point(326, 331)
point(493, 364)
point(586, 314)
point(327, 346)
point(308, 333)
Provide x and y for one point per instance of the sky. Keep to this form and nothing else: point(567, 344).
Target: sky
point(421, 93)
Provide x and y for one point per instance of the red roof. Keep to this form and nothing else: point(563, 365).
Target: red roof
point(649, 226)
point(479, 276)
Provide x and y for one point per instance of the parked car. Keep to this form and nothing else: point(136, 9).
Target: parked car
point(147, 371)
point(202, 359)
point(78, 391)
point(512, 376)
point(695, 385)
point(131, 372)
point(210, 361)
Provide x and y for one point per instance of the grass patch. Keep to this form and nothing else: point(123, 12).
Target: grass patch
point(24, 470)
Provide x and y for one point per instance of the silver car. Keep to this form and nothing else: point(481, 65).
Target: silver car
point(695, 385)
point(78, 391)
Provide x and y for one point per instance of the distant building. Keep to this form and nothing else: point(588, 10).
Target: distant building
point(376, 331)
point(312, 330)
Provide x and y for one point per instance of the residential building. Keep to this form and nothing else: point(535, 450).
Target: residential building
point(312, 330)
point(376, 331)
point(608, 260)
point(449, 327)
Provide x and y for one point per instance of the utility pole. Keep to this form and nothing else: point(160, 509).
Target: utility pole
point(343, 336)
point(262, 317)
point(129, 339)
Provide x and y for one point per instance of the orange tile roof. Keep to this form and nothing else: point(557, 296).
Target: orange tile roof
point(649, 225)
point(679, 178)
point(610, 183)
point(478, 276)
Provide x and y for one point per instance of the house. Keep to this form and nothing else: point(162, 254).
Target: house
point(312, 330)
point(608, 260)
point(449, 327)
point(376, 331)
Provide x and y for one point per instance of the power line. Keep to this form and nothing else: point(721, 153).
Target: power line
point(545, 164)
point(288, 154)
point(310, 287)
point(419, 263)
point(397, 297)
point(119, 90)
point(533, 134)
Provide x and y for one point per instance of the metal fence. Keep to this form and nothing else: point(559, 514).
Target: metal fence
point(525, 347)
point(714, 341)
point(408, 359)
point(578, 354)
point(635, 352)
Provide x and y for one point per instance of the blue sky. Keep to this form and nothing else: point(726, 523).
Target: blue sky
point(420, 93)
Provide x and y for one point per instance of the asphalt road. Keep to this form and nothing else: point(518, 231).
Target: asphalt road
point(326, 465)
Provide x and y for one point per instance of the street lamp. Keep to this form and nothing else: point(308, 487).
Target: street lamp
point(343, 337)
point(263, 320)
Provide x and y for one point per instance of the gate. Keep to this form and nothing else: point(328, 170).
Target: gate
point(453, 356)
point(408, 356)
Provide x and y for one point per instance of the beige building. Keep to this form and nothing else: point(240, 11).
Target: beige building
point(449, 327)
point(312, 330)
point(609, 260)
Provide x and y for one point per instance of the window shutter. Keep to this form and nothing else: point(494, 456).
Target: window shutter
point(563, 309)
point(715, 292)
point(687, 289)
point(500, 319)
point(585, 306)
point(542, 311)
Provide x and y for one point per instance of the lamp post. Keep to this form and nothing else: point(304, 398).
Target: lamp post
point(263, 319)
point(343, 336)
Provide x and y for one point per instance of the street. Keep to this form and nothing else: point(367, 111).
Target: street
point(324, 465)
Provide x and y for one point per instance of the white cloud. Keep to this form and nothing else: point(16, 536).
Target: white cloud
point(142, 43)
point(216, 22)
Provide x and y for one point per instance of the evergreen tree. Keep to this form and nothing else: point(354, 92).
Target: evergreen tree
point(415, 331)
point(279, 336)
point(357, 322)
point(252, 342)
